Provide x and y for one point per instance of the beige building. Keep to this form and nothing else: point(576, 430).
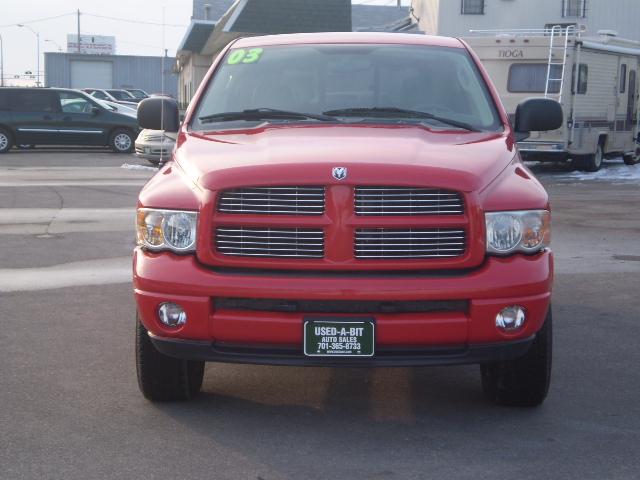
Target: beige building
point(457, 17)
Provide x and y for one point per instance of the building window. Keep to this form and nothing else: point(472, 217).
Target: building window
point(532, 78)
point(623, 78)
point(473, 7)
point(574, 8)
point(583, 78)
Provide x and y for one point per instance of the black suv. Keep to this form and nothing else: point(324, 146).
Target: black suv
point(56, 116)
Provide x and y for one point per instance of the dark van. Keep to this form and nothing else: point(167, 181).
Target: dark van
point(55, 116)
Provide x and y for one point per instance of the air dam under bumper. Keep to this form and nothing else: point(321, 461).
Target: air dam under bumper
point(384, 357)
point(402, 339)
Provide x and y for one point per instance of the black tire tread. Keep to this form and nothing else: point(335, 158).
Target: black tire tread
point(631, 159)
point(163, 378)
point(10, 140)
point(523, 382)
point(113, 136)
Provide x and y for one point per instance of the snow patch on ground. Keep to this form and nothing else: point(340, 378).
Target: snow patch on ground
point(129, 166)
point(612, 171)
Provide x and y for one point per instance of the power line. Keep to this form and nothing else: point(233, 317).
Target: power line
point(105, 17)
point(37, 20)
point(118, 19)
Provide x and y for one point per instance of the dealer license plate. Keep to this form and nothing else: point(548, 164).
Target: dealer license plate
point(331, 337)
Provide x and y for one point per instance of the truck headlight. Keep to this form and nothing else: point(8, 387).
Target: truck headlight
point(173, 230)
point(525, 231)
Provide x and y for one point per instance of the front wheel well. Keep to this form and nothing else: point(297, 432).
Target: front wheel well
point(11, 133)
point(122, 140)
point(130, 129)
point(603, 138)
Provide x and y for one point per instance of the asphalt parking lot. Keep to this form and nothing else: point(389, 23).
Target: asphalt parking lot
point(70, 406)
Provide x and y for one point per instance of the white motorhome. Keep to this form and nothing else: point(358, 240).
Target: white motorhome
point(600, 102)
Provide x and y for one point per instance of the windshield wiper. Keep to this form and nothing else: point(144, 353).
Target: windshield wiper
point(395, 112)
point(265, 114)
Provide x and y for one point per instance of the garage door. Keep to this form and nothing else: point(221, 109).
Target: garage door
point(91, 74)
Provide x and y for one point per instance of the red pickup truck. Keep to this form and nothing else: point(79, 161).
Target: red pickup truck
point(345, 200)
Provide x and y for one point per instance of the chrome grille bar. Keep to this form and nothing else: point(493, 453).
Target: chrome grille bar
point(380, 243)
point(401, 201)
point(270, 242)
point(273, 200)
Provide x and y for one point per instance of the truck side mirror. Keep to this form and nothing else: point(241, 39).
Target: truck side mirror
point(537, 115)
point(159, 113)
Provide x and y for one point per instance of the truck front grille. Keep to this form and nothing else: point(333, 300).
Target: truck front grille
point(385, 243)
point(270, 242)
point(395, 201)
point(273, 200)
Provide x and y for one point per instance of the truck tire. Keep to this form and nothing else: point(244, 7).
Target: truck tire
point(523, 382)
point(592, 163)
point(163, 378)
point(122, 141)
point(5, 141)
point(632, 159)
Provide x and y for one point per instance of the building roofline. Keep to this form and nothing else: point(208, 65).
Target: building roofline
point(190, 28)
point(90, 56)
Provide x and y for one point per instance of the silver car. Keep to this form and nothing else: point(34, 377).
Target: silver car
point(155, 145)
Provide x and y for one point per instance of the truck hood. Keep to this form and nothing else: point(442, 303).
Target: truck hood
point(383, 155)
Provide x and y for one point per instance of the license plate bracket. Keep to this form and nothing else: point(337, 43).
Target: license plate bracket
point(339, 336)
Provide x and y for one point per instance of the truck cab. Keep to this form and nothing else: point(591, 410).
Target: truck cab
point(345, 200)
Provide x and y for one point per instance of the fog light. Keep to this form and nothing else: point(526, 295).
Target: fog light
point(172, 315)
point(511, 318)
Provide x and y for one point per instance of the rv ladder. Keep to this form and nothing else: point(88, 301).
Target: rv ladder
point(557, 36)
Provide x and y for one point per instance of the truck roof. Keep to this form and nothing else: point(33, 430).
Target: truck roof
point(348, 37)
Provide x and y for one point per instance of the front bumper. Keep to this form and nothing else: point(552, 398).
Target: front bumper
point(540, 151)
point(275, 337)
point(153, 151)
point(291, 355)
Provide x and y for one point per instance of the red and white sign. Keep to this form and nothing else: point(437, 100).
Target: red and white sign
point(92, 44)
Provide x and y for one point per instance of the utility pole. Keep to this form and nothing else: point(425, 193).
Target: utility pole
point(165, 52)
point(78, 30)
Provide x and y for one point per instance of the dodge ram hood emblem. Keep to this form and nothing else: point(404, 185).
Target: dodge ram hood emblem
point(339, 173)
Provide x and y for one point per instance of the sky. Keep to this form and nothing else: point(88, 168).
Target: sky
point(132, 36)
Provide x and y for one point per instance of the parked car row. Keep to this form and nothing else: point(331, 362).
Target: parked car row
point(57, 116)
point(118, 95)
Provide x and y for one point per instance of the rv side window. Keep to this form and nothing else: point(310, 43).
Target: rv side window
point(582, 79)
point(574, 8)
point(532, 78)
point(623, 78)
point(472, 7)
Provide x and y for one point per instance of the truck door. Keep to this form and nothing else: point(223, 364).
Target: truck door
point(620, 124)
point(631, 106)
point(80, 124)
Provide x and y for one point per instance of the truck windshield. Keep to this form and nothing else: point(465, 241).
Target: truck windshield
point(439, 86)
